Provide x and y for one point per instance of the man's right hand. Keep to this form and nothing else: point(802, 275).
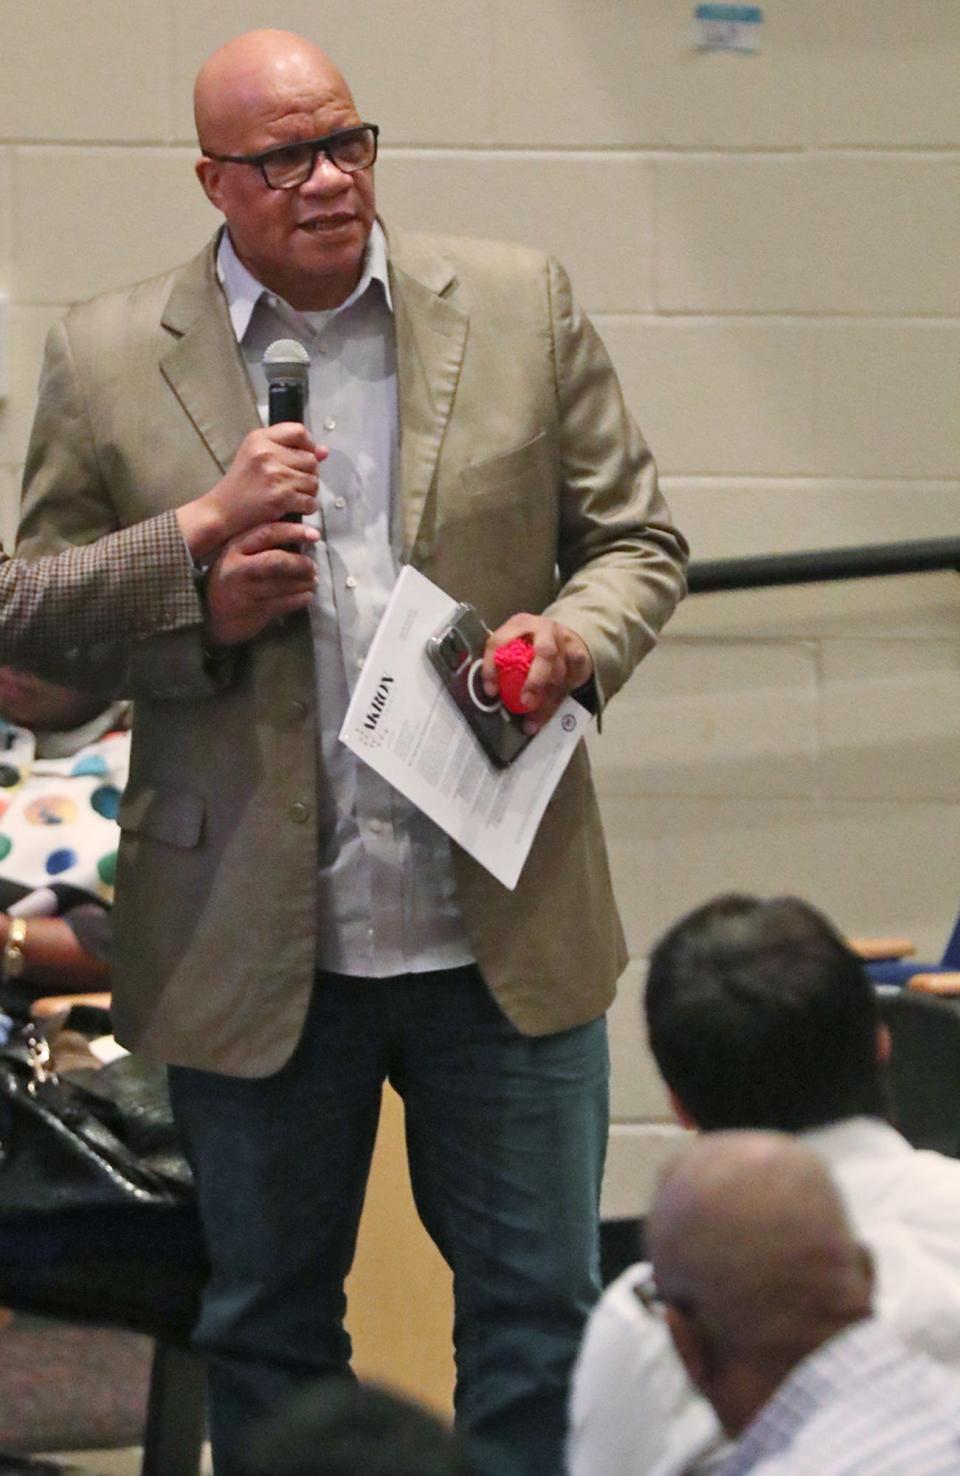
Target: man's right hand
point(273, 474)
point(258, 578)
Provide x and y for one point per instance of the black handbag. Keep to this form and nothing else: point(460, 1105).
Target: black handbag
point(98, 1218)
point(85, 1139)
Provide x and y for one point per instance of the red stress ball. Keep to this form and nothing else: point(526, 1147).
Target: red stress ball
point(513, 662)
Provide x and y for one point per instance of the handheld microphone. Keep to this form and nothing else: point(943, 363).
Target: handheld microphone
point(286, 363)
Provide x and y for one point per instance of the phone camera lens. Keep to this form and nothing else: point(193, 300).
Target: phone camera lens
point(453, 649)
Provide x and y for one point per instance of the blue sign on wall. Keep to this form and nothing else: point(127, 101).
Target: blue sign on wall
point(728, 27)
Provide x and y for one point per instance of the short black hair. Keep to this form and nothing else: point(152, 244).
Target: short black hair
point(760, 1016)
point(335, 1427)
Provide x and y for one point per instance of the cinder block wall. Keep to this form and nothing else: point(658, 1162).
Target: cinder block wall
point(769, 246)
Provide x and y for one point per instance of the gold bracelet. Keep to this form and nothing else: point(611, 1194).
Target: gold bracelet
point(13, 962)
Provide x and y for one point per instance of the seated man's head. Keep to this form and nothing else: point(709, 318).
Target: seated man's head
point(755, 1263)
point(28, 701)
point(334, 1427)
point(759, 1016)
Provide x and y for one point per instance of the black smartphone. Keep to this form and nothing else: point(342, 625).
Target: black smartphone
point(456, 650)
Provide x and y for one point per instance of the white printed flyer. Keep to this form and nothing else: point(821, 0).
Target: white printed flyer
point(403, 722)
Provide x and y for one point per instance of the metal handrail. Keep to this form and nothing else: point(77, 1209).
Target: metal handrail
point(814, 566)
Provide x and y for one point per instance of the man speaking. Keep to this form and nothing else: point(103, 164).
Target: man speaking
point(289, 931)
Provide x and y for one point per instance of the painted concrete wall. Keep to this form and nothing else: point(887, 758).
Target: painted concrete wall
point(768, 244)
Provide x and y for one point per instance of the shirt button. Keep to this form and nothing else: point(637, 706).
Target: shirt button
point(339, 502)
point(360, 661)
point(376, 826)
point(330, 423)
point(350, 582)
point(299, 812)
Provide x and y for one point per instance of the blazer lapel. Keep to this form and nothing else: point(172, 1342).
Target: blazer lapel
point(204, 367)
point(431, 334)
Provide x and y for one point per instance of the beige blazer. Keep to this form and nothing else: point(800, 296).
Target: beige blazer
point(128, 585)
point(524, 486)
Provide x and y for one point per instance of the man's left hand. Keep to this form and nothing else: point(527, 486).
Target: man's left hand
point(561, 663)
point(259, 576)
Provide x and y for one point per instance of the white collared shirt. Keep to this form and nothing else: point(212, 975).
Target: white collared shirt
point(386, 898)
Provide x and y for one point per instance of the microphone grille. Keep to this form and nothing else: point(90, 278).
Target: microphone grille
point(285, 358)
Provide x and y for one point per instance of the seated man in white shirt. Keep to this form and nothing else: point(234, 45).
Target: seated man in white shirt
point(766, 1293)
point(759, 1016)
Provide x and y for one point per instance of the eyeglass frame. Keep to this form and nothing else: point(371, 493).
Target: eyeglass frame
point(315, 145)
point(656, 1302)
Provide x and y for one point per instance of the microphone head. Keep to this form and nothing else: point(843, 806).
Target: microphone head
point(285, 361)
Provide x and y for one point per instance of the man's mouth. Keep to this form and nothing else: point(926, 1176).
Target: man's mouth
point(326, 224)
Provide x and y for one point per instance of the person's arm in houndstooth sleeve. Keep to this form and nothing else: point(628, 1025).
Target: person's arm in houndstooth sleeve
point(71, 498)
point(108, 596)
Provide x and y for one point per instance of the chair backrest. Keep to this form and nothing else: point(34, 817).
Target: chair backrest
point(621, 1244)
point(924, 1071)
point(951, 954)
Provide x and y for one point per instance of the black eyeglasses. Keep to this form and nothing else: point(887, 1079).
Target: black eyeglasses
point(654, 1301)
point(350, 149)
point(648, 1295)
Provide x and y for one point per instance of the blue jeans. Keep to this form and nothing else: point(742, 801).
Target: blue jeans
point(505, 1136)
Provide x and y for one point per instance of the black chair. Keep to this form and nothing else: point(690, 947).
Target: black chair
point(621, 1244)
point(129, 1266)
point(924, 1070)
point(891, 960)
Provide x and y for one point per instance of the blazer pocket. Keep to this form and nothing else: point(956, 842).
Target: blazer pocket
point(532, 458)
point(159, 812)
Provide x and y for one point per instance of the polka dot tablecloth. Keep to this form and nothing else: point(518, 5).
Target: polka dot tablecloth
point(58, 817)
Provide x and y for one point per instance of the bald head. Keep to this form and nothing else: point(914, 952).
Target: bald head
point(267, 91)
point(753, 1251)
point(233, 83)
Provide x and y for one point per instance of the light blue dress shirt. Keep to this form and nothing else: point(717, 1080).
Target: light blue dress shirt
point(386, 900)
point(861, 1405)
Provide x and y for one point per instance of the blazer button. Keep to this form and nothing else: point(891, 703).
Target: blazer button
point(299, 812)
point(298, 711)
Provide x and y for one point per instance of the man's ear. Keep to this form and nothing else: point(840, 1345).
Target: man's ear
point(208, 173)
point(884, 1046)
point(680, 1112)
point(693, 1346)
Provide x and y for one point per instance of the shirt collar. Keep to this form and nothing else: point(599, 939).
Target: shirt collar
point(243, 291)
point(856, 1138)
point(852, 1357)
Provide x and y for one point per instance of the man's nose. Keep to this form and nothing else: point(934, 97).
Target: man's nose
point(326, 178)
